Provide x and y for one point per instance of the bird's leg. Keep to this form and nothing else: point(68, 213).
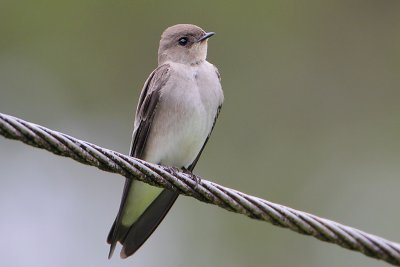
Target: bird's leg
point(195, 178)
point(173, 170)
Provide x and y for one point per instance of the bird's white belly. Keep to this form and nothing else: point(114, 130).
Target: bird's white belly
point(178, 135)
point(181, 144)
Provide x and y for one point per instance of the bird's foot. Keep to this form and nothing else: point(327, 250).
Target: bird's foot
point(173, 170)
point(196, 179)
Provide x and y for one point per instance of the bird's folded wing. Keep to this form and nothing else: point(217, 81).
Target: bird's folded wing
point(146, 110)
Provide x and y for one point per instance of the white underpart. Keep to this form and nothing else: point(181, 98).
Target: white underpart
point(184, 115)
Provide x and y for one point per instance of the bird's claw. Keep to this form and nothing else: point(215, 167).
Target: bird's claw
point(194, 178)
point(174, 171)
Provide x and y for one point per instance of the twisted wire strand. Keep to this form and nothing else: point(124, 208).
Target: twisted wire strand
point(203, 190)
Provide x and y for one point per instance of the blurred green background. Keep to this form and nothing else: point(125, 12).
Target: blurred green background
point(310, 120)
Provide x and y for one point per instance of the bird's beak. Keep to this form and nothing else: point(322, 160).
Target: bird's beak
point(206, 36)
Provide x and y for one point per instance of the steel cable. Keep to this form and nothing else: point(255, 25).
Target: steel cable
point(201, 189)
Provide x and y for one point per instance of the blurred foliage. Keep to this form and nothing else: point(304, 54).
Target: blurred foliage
point(310, 120)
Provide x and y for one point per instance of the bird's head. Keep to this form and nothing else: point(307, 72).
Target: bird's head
point(183, 43)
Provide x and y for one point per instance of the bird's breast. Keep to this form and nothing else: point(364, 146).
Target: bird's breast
point(184, 118)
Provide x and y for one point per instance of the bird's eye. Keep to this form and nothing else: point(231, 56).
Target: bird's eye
point(183, 41)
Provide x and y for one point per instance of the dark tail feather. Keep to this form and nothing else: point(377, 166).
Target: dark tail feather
point(118, 231)
point(110, 234)
point(116, 234)
point(146, 224)
point(111, 241)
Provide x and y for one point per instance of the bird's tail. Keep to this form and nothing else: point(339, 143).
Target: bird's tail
point(134, 236)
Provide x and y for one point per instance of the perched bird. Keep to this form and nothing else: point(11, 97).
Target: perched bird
point(177, 110)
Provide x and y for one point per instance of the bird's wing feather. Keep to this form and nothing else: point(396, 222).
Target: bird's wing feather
point(146, 110)
point(148, 101)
